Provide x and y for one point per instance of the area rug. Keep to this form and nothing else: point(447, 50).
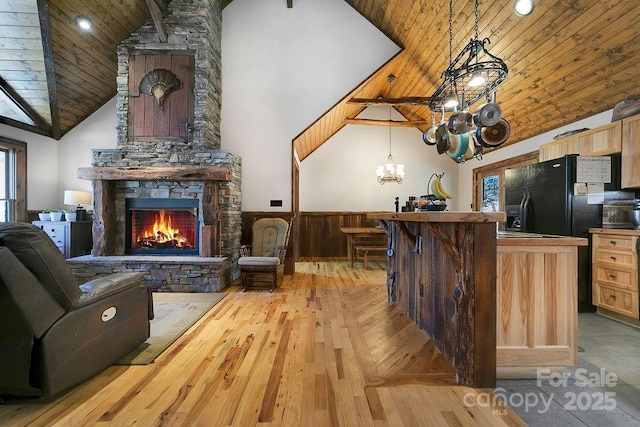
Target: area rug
point(174, 313)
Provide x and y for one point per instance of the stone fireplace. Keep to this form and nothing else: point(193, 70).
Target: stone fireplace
point(168, 147)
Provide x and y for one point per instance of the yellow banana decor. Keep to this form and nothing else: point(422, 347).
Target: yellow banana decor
point(437, 189)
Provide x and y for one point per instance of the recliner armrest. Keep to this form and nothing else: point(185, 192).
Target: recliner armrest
point(102, 287)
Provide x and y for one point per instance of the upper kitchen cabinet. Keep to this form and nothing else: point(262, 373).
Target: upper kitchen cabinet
point(631, 152)
point(606, 139)
point(558, 148)
point(603, 140)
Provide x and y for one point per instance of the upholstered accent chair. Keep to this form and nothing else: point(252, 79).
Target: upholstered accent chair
point(262, 262)
point(55, 333)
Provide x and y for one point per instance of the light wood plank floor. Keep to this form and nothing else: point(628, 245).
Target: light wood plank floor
point(325, 349)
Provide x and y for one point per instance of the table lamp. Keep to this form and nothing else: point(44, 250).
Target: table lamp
point(78, 198)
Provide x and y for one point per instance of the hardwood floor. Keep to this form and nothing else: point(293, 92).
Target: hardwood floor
point(325, 349)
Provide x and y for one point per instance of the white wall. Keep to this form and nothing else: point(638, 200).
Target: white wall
point(52, 165)
point(42, 167)
point(465, 171)
point(341, 174)
point(281, 70)
point(74, 149)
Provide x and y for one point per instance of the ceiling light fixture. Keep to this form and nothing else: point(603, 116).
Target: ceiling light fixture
point(523, 7)
point(84, 23)
point(467, 70)
point(390, 172)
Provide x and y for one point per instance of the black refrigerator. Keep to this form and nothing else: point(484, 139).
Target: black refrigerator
point(539, 198)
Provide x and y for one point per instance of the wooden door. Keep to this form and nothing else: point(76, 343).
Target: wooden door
point(174, 117)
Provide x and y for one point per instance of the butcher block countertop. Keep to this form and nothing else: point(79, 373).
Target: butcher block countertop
point(514, 238)
point(619, 231)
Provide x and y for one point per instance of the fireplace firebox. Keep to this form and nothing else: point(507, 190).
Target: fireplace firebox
point(162, 226)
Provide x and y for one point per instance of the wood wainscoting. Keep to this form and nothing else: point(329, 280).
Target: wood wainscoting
point(320, 235)
point(314, 234)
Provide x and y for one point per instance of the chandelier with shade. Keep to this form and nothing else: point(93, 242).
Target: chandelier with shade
point(390, 172)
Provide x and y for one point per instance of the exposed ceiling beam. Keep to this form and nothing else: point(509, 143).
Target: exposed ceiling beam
point(50, 69)
point(409, 100)
point(397, 123)
point(156, 15)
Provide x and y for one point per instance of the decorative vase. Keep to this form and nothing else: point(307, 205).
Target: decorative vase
point(44, 216)
point(69, 216)
point(56, 216)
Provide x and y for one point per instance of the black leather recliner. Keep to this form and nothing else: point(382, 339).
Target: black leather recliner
point(55, 334)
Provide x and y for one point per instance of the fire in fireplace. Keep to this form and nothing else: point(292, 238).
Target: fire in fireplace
point(162, 226)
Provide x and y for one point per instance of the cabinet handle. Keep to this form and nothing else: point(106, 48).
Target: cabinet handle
point(612, 276)
point(613, 258)
point(613, 242)
point(613, 297)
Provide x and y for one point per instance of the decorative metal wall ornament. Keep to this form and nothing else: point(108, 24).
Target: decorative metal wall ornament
point(159, 83)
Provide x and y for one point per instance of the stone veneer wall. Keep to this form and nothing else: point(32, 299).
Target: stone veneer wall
point(193, 27)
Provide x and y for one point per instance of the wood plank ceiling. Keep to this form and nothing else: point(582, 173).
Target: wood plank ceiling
point(567, 61)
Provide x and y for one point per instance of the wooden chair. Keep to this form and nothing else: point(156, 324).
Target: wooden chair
point(262, 263)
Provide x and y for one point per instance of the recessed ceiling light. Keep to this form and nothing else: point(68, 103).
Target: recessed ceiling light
point(523, 7)
point(83, 22)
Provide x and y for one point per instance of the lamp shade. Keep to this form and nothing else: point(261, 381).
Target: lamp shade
point(77, 197)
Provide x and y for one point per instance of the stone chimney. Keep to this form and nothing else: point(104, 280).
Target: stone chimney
point(194, 37)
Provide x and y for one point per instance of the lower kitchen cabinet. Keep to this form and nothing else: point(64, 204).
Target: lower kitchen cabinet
point(537, 305)
point(73, 238)
point(615, 274)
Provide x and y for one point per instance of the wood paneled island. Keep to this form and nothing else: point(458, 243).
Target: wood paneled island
point(442, 273)
point(504, 302)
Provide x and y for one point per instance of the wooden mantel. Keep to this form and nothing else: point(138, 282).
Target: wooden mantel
point(154, 173)
point(104, 200)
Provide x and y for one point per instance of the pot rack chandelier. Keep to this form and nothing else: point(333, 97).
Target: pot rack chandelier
point(473, 75)
point(390, 172)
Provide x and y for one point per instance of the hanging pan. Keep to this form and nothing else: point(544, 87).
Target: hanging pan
point(494, 136)
point(442, 138)
point(429, 135)
point(488, 114)
point(458, 145)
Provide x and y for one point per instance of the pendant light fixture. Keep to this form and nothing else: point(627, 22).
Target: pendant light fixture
point(390, 172)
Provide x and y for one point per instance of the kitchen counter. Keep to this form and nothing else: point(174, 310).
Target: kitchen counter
point(618, 231)
point(470, 288)
point(537, 303)
point(514, 238)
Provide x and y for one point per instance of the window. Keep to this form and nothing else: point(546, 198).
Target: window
point(488, 182)
point(13, 180)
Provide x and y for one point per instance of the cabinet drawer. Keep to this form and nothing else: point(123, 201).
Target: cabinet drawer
point(619, 278)
point(623, 259)
point(612, 241)
point(624, 302)
point(57, 233)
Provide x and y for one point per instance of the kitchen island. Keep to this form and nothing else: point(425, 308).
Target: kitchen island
point(537, 303)
point(491, 302)
point(442, 274)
